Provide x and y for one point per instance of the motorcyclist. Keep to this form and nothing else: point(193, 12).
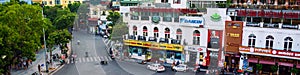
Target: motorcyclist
point(78, 42)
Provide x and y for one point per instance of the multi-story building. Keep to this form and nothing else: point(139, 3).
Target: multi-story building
point(64, 3)
point(270, 33)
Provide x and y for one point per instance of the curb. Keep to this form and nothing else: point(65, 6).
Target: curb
point(58, 68)
point(54, 71)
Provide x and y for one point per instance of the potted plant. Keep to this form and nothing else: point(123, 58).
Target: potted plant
point(274, 68)
point(294, 71)
point(259, 67)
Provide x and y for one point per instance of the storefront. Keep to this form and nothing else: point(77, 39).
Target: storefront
point(153, 51)
point(196, 55)
point(285, 60)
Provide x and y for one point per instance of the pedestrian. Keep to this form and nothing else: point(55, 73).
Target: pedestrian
point(39, 68)
point(24, 64)
point(27, 64)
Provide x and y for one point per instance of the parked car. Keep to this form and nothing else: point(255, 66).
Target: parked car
point(180, 67)
point(156, 67)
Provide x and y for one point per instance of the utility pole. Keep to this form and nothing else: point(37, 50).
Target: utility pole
point(46, 56)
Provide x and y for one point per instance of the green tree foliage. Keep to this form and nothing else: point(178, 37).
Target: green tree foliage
point(60, 37)
point(114, 17)
point(118, 31)
point(51, 12)
point(74, 7)
point(64, 21)
point(21, 30)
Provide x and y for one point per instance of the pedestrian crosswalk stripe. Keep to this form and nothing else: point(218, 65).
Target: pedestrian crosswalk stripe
point(109, 58)
point(106, 58)
point(83, 60)
point(91, 58)
point(95, 58)
point(79, 60)
point(99, 58)
point(87, 60)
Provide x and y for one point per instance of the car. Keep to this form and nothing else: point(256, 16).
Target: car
point(180, 67)
point(156, 67)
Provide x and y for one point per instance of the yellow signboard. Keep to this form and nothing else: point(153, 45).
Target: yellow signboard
point(163, 46)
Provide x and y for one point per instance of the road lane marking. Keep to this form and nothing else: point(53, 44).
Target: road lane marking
point(79, 60)
point(83, 59)
point(109, 58)
point(91, 58)
point(87, 60)
point(102, 58)
point(98, 58)
point(106, 58)
point(95, 58)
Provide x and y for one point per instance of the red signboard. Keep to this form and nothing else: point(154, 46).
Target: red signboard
point(270, 51)
point(269, 13)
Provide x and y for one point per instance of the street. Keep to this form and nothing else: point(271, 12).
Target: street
point(90, 65)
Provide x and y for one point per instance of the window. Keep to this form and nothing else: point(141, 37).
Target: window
point(57, 1)
point(94, 12)
point(126, 14)
point(196, 37)
point(50, 2)
point(145, 15)
point(288, 42)
point(135, 16)
point(134, 30)
point(173, 55)
point(167, 33)
point(70, 2)
point(176, 17)
point(164, 1)
point(45, 2)
point(145, 33)
point(176, 1)
point(269, 42)
point(251, 42)
point(167, 17)
point(156, 32)
point(178, 34)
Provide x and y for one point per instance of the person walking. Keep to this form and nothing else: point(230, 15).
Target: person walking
point(39, 69)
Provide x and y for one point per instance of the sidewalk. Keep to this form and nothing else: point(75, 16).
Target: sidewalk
point(40, 59)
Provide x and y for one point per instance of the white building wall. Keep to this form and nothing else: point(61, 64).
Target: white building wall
point(187, 32)
point(278, 34)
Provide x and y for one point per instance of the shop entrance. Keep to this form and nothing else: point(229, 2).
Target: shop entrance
point(284, 70)
point(192, 58)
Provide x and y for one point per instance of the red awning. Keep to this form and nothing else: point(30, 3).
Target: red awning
point(285, 64)
point(253, 60)
point(266, 62)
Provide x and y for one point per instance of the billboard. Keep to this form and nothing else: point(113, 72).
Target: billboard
point(215, 38)
point(233, 32)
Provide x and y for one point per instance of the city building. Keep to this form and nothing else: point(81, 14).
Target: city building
point(64, 3)
point(270, 32)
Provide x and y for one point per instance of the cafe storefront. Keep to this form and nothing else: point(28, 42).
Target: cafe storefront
point(285, 60)
point(149, 51)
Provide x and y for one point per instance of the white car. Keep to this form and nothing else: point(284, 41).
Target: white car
point(180, 67)
point(156, 67)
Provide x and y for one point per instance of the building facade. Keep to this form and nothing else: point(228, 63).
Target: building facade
point(64, 3)
point(269, 34)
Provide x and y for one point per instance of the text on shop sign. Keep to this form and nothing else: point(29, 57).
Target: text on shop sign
point(269, 51)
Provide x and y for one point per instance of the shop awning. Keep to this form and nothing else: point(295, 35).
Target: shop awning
point(298, 66)
point(285, 64)
point(253, 60)
point(266, 62)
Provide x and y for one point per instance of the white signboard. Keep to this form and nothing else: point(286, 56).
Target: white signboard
point(191, 21)
point(195, 48)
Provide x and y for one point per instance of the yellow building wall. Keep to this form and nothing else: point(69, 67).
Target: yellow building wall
point(64, 3)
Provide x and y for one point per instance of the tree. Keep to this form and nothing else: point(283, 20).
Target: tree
point(74, 7)
point(21, 30)
point(64, 21)
point(51, 12)
point(118, 31)
point(60, 38)
point(114, 17)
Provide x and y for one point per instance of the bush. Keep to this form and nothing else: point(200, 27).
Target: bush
point(259, 66)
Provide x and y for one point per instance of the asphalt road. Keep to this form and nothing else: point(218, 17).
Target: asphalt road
point(96, 52)
point(89, 64)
